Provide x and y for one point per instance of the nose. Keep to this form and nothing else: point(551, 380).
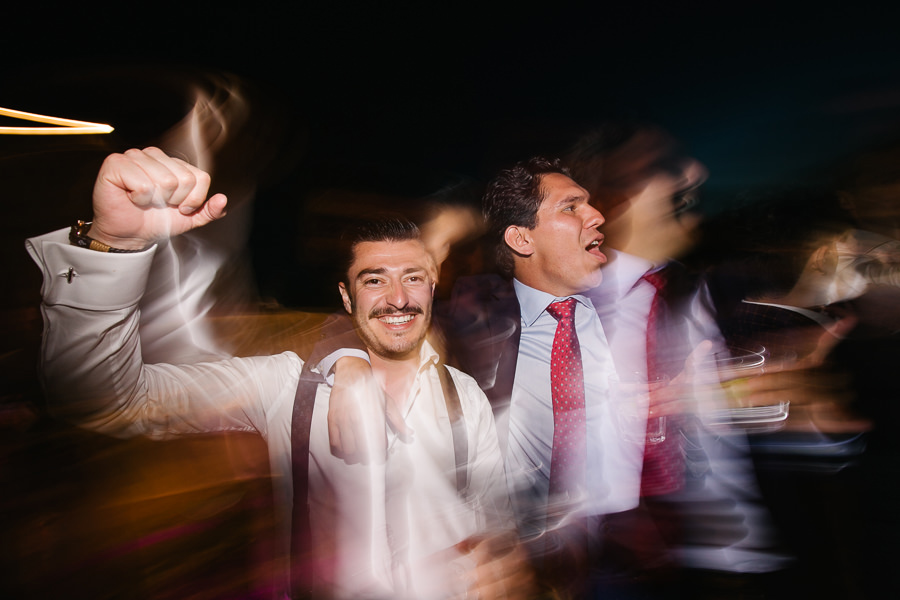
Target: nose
point(593, 218)
point(694, 173)
point(397, 296)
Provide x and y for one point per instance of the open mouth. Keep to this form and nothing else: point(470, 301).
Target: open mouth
point(594, 248)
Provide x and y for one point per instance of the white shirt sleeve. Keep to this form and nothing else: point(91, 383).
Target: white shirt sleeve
point(92, 368)
point(326, 365)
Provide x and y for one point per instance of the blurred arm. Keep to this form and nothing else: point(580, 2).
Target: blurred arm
point(91, 363)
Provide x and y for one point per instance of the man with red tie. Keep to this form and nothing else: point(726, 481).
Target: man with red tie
point(659, 318)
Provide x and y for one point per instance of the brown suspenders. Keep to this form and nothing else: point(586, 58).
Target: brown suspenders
point(301, 422)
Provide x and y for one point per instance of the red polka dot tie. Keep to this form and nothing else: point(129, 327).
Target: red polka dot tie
point(663, 470)
point(567, 384)
point(658, 281)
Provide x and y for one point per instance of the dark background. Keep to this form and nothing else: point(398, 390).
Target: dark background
point(755, 90)
point(352, 107)
point(401, 99)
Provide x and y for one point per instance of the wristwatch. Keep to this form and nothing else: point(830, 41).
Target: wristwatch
point(78, 236)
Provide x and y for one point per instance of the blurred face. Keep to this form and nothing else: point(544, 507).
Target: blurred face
point(846, 282)
point(561, 255)
point(652, 218)
point(389, 297)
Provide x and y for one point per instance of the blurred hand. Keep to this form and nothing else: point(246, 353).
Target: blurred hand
point(502, 569)
point(819, 393)
point(671, 399)
point(357, 410)
point(144, 195)
point(447, 226)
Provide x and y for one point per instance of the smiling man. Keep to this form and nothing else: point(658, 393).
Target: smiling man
point(390, 305)
point(428, 520)
point(440, 482)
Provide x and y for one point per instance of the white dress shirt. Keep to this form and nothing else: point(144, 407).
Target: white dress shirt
point(93, 373)
point(725, 488)
point(623, 302)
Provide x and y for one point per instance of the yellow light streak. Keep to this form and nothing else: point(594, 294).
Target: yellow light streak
point(66, 126)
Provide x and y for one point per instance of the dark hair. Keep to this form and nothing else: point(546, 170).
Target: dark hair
point(513, 197)
point(611, 158)
point(378, 228)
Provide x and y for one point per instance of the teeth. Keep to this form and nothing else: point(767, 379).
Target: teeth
point(594, 244)
point(398, 320)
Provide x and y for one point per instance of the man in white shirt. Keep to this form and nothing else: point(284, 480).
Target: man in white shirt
point(402, 527)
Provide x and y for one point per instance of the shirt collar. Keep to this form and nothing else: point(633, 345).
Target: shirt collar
point(532, 302)
point(620, 275)
point(629, 269)
point(428, 355)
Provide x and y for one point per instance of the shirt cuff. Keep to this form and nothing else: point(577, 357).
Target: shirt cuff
point(326, 365)
point(88, 279)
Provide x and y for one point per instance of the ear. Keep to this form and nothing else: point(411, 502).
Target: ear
point(818, 261)
point(519, 240)
point(345, 296)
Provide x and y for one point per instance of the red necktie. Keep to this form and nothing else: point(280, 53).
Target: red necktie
point(567, 383)
point(658, 281)
point(663, 470)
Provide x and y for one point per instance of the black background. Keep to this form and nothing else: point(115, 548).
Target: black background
point(399, 99)
point(371, 104)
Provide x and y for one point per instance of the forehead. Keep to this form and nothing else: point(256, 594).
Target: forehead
point(405, 256)
point(558, 188)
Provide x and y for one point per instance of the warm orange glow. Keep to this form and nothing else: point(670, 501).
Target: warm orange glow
point(65, 126)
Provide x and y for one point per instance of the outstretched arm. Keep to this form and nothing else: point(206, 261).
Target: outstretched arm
point(92, 367)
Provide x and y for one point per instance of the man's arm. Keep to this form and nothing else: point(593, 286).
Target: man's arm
point(91, 363)
point(358, 407)
point(144, 195)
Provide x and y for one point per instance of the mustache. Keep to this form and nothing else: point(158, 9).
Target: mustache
point(385, 311)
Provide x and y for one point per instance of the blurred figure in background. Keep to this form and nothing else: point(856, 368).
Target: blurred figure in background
point(661, 325)
point(789, 294)
point(200, 522)
point(202, 280)
point(870, 190)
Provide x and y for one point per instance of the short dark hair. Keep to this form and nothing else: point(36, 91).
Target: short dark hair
point(378, 228)
point(513, 197)
point(611, 158)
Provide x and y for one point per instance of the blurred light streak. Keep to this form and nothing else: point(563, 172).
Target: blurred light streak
point(67, 126)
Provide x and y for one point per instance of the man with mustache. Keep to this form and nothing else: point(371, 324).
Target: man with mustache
point(426, 522)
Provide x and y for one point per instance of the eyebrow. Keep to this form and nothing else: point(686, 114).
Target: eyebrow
point(574, 197)
point(382, 271)
point(375, 271)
